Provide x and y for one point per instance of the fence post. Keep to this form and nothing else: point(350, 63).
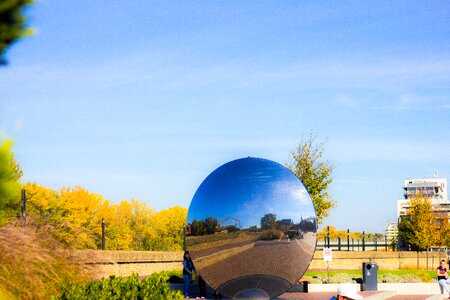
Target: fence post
point(328, 236)
point(358, 244)
point(364, 242)
point(103, 234)
point(376, 244)
point(348, 240)
point(385, 243)
point(339, 243)
point(417, 260)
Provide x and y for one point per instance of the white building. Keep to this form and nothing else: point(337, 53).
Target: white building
point(434, 189)
point(391, 231)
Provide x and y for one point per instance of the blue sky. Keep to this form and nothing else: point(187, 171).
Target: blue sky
point(144, 99)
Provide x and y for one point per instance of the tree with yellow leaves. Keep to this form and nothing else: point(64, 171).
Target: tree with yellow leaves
point(307, 163)
point(168, 226)
point(74, 215)
point(419, 226)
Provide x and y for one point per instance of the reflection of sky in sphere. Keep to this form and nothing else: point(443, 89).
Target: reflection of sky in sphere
point(246, 189)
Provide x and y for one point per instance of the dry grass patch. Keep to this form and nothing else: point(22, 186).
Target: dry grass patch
point(33, 266)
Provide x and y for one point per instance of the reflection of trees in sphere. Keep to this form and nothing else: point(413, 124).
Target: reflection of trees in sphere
point(251, 228)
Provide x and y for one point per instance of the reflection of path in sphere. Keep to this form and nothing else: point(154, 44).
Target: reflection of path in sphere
point(291, 259)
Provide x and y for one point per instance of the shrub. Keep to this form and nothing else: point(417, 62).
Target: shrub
point(174, 276)
point(410, 278)
point(271, 235)
point(425, 277)
point(340, 278)
point(389, 278)
point(152, 287)
point(9, 184)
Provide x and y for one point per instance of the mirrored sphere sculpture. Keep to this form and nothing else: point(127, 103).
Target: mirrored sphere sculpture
point(251, 228)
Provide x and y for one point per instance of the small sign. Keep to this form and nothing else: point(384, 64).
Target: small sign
point(327, 254)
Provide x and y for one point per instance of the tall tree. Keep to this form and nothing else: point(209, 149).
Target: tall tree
point(211, 224)
point(419, 227)
point(269, 221)
point(307, 163)
point(12, 24)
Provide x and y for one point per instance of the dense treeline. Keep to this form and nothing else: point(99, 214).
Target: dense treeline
point(36, 259)
point(74, 216)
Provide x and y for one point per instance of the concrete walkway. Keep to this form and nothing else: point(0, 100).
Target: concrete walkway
point(390, 291)
point(375, 296)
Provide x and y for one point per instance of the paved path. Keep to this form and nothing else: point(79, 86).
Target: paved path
point(317, 296)
point(367, 295)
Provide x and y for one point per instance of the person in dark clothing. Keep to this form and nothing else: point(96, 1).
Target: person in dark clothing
point(188, 269)
point(443, 279)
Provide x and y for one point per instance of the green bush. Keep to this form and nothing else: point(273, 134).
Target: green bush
point(340, 278)
point(152, 287)
point(9, 184)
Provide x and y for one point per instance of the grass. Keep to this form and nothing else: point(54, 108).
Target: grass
point(33, 266)
point(423, 275)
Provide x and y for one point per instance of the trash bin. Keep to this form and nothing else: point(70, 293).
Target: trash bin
point(369, 270)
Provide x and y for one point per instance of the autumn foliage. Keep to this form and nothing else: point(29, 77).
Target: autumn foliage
point(335, 233)
point(424, 227)
point(73, 216)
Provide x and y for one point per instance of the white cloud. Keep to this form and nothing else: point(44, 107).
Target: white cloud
point(171, 70)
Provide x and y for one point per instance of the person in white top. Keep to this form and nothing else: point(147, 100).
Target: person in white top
point(347, 291)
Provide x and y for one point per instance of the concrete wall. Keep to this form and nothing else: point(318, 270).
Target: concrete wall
point(124, 263)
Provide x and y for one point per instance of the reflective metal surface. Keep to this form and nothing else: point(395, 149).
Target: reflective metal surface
point(251, 226)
